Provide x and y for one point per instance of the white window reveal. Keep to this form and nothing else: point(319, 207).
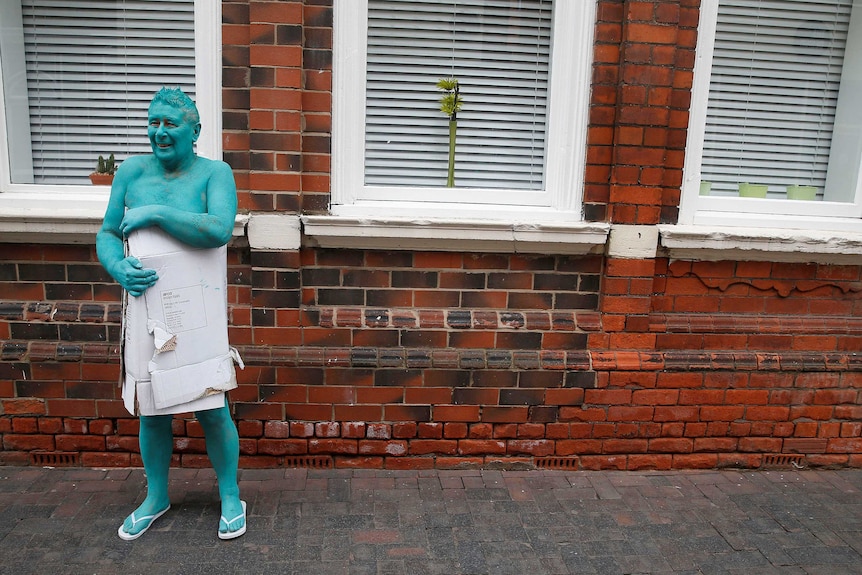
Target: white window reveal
point(773, 128)
point(523, 76)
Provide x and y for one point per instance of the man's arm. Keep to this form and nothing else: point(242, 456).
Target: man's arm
point(128, 271)
point(208, 230)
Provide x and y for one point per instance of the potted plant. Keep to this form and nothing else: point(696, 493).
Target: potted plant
point(104, 174)
point(747, 190)
point(795, 192)
point(450, 104)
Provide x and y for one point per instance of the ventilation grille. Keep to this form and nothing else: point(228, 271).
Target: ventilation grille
point(568, 463)
point(782, 460)
point(310, 461)
point(54, 459)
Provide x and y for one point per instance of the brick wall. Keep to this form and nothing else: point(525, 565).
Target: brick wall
point(406, 359)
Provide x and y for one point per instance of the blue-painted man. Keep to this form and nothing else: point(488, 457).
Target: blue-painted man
point(184, 200)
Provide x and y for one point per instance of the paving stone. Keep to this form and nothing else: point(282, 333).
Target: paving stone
point(427, 522)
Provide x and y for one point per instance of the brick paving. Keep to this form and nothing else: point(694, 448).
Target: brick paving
point(358, 522)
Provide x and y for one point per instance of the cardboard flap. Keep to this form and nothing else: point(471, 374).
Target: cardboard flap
point(183, 384)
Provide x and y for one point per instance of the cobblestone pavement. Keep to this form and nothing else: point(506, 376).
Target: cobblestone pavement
point(357, 522)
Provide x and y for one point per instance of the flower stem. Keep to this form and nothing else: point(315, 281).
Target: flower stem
point(453, 127)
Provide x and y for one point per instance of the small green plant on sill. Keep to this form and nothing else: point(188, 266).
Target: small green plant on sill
point(108, 166)
point(450, 104)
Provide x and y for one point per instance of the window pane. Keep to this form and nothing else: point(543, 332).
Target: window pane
point(91, 68)
point(773, 95)
point(500, 53)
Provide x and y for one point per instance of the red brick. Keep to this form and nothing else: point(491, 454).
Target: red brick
point(276, 429)
point(282, 446)
point(25, 425)
point(404, 430)
point(603, 462)
point(391, 447)
point(484, 430)
point(333, 446)
point(455, 430)
point(23, 406)
point(48, 425)
point(760, 444)
point(534, 447)
point(481, 447)
point(80, 442)
point(767, 413)
point(14, 442)
point(432, 446)
point(461, 413)
point(360, 462)
point(694, 461)
point(505, 414)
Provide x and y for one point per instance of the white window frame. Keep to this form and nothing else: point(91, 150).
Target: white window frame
point(560, 201)
point(73, 213)
point(752, 212)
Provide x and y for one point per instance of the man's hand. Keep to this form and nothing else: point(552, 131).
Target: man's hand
point(132, 275)
point(137, 218)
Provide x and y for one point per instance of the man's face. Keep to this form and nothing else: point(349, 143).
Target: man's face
point(172, 137)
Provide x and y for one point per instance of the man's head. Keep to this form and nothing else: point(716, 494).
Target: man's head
point(178, 99)
point(173, 127)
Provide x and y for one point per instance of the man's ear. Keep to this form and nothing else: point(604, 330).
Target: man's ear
point(197, 132)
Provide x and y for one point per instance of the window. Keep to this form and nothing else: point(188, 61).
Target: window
point(773, 131)
point(523, 70)
point(77, 77)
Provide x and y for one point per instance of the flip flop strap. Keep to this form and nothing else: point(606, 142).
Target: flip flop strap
point(226, 522)
point(144, 518)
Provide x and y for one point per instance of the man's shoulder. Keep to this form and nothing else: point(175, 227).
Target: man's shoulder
point(215, 167)
point(213, 164)
point(137, 162)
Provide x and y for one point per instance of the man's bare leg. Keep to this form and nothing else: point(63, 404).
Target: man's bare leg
point(157, 446)
point(222, 442)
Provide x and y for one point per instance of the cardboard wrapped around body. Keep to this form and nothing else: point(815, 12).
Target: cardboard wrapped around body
point(175, 343)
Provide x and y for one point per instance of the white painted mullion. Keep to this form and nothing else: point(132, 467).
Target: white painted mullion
point(350, 24)
point(571, 68)
point(208, 67)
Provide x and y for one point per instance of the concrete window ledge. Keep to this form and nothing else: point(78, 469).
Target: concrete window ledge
point(60, 218)
point(447, 234)
point(715, 243)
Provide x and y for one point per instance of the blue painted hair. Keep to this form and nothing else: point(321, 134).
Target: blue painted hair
point(178, 99)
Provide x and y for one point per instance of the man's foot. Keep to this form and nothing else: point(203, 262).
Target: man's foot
point(140, 520)
point(232, 523)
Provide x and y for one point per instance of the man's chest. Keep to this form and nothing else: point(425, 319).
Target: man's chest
point(184, 193)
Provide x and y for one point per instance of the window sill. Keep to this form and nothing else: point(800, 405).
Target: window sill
point(60, 218)
point(715, 243)
point(448, 234)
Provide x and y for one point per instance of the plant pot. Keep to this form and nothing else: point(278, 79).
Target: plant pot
point(747, 190)
point(101, 179)
point(808, 193)
point(705, 188)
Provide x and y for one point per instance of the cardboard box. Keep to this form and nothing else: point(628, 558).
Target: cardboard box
point(176, 348)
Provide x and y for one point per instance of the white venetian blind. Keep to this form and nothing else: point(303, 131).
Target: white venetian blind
point(92, 69)
point(773, 92)
point(499, 50)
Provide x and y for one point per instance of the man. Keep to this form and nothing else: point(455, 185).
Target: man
point(183, 200)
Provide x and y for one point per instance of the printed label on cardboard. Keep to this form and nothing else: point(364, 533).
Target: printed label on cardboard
point(184, 308)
